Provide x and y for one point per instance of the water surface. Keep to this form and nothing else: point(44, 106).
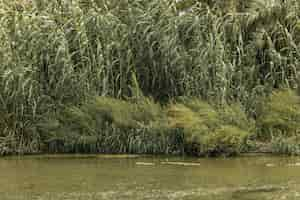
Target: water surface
point(137, 178)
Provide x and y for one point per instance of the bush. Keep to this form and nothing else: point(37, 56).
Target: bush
point(211, 131)
point(280, 115)
point(126, 114)
point(286, 145)
point(192, 114)
point(107, 125)
point(226, 140)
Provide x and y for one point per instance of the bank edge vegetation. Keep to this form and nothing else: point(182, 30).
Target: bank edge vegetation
point(199, 78)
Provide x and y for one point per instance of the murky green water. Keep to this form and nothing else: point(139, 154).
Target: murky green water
point(138, 178)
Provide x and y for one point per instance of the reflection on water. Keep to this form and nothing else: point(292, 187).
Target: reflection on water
point(137, 178)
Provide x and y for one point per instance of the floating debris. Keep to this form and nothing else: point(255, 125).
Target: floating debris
point(145, 163)
point(265, 189)
point(118, 156)
point(181, 163)
point(270, 165)
point(294, 165)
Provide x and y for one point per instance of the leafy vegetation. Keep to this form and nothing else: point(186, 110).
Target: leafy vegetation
point(286, 145)
point(280, 115)
point(211, 131)
point(137, 76)
point(107, 125)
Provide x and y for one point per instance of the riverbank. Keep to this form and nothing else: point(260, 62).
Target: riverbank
point(166, 158)
point(188, 126)
point(138, 77)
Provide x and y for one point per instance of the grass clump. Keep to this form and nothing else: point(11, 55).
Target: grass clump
point(280, 115)
point(286, 145)
point(125, 114)
point(209, 130)
point(107, 125)
point(192, 114)
point(279, 122)
point(226, 140)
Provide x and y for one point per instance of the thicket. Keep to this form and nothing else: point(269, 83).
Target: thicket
point(135, 76)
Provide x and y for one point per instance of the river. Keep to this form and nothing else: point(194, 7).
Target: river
point(93, 177)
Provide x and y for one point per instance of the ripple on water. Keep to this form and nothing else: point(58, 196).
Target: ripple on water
point(266, 192)
point(147, 178)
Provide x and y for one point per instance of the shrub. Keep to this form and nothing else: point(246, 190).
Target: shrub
point(107, 125)
point(211, 131)
point(111, 125)
point(194, 117)
point(226, 140)
point(280, 115)
point(286, 145)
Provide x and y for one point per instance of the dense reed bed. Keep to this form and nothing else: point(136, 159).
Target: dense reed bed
point(134, 76)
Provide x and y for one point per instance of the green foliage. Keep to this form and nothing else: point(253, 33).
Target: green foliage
point(107, 125)
point(192, 113)
point(111, 125)
point(235, 115)
point(56, 55)
point(280, 115)
point(226, 140)
point(125, 114)
point(286, 145)
point(211, 131)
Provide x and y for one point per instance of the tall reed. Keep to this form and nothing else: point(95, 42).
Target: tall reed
point(57, 54)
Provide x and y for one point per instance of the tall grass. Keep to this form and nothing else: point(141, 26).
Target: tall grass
point(58, 54)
